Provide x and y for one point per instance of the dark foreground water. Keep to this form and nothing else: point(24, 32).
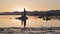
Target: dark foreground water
point(28, 31)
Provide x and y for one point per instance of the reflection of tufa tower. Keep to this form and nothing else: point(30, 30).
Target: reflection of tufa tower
point(23, 18)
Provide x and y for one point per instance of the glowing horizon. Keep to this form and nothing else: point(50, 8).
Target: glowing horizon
point(21, 8)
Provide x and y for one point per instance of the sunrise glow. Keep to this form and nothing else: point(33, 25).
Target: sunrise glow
point(21, 8)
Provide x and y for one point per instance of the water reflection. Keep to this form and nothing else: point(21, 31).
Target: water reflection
point(33, 21)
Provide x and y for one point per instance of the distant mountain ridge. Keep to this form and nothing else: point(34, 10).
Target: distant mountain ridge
point(31, 13)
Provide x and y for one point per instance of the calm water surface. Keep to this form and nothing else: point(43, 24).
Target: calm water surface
point(33, 21)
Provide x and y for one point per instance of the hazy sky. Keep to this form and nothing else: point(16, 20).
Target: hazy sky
point(12, 5)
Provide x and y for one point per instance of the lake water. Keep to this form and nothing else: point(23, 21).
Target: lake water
point(33, 21)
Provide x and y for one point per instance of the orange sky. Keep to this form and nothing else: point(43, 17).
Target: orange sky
point(18, 5)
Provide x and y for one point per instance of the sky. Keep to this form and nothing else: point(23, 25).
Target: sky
point(18, 5)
